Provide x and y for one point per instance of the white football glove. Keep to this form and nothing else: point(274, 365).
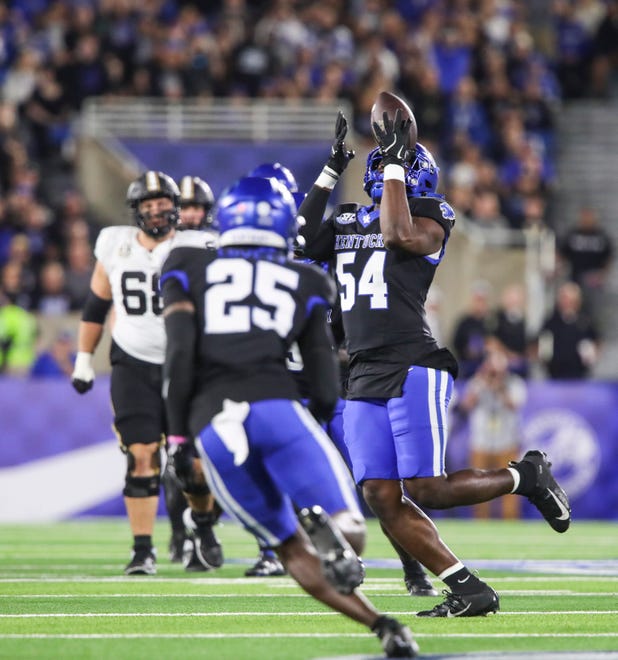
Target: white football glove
point(82, 377)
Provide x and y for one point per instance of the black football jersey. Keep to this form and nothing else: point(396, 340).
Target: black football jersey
point(382, 294)
point(252, 305)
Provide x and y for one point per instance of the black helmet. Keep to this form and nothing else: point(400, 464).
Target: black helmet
point(152, 185)
point(196, 192)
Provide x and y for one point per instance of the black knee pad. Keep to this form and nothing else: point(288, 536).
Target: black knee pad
point(195, 488)
point(142, 486)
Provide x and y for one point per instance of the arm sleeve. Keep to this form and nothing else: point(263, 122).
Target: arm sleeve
point(318, 235)
point(178, 368)
point(321, 365)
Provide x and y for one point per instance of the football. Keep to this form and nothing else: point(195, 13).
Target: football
point(389, 103)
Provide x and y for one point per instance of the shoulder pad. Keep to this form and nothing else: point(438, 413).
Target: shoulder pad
point(112, 238)
point(193, 238)
point(434, 207)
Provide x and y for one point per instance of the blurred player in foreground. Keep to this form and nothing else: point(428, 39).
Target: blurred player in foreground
point(231, 314)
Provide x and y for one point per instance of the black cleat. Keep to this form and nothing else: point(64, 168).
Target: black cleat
point(478, 604)
point(176, 547)
point(143, 562)
point(340, 564)
point(190, 560)
point(266, 566)
point(205, 544)
point(548, 497)
point(396, 639)
point(419, 585)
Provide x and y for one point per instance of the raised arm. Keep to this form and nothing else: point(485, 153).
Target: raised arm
point(400, 230)
point(313, 207)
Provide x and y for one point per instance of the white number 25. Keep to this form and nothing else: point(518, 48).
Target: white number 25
point(233, 280)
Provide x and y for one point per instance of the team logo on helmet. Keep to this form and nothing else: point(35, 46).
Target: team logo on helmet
point(421, 174)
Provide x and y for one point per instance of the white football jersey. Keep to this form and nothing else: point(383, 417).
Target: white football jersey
point(133, 272)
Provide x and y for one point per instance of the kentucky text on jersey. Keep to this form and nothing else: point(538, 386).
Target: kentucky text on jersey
point(358, 241)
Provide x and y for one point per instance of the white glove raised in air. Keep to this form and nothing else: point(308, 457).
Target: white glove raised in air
point(82, 377)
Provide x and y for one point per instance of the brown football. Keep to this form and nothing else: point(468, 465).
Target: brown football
point(389, 103)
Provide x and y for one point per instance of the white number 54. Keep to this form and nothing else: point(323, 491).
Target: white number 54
point(371, 282)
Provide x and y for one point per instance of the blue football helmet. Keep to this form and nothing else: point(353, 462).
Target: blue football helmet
point(276, 171)
point(257, 211)
point(421, 175)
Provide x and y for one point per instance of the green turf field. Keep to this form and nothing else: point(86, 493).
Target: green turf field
point(63, 595)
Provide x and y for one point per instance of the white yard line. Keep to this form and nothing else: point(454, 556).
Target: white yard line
point(279, 582)
point(241, 613)
point(293, 635)
point(386, 594)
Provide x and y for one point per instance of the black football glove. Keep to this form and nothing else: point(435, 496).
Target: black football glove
point(180, 460)
point(82, 386)
point(393, 138)
point(339, 155)
point(82, 377)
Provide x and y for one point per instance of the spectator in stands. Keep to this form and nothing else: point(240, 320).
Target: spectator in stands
point(73, 210)
point(18, 332)
point(508, 329)
point(12, 288)
point(573, 49)
point(48, 112)
point(493, 399)
point(53, 298)
point(568, 343)
point(533, 212)
point(587, 251)
point(58, 359)
point(21, 255)
point(430, 103)
point(466, 114)
point(472, 329)
point(605, 57)
point(485, 212)
point(80, 263)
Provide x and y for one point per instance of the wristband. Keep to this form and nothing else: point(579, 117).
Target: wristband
point(328, 178)
point(395, 172)
point(176, 439)
point(83, 361)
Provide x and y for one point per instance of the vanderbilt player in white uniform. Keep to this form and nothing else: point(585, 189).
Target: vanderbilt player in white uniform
point(126, 275)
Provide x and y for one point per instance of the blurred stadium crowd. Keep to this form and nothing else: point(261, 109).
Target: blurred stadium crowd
point(485, 78)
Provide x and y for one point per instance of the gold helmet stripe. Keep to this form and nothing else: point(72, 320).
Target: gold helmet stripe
point(152, 181)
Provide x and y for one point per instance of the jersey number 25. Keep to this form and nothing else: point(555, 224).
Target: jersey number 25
point(232, 281)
